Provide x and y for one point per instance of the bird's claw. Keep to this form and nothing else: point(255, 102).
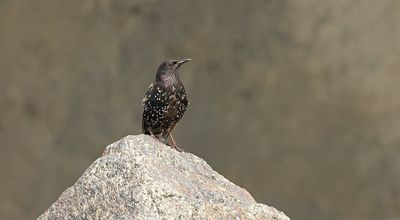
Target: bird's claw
point(177, 148)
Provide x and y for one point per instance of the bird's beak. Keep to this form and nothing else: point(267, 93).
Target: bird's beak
point(180, 62)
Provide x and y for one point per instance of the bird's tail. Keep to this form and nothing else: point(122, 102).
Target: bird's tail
point(144, 128)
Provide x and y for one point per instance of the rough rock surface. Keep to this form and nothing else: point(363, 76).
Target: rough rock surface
point(140, 178)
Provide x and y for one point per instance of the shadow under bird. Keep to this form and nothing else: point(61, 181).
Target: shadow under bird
point(165, 102)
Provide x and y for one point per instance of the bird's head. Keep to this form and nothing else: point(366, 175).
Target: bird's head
point(168, 69)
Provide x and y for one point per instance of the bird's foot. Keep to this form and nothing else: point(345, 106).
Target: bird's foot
point(176, 148)
point(173, 142)
point(155, 137)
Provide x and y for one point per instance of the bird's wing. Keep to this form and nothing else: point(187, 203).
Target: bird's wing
point(146, 96)
point(145, 101)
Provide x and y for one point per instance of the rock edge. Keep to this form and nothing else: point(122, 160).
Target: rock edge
point(138, 177)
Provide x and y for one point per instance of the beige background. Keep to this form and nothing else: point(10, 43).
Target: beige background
point(297, 101)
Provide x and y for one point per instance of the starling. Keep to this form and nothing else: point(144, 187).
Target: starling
point(165, 102)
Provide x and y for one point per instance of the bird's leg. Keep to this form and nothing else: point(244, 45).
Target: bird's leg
point(173, 142)
point(159, 137)
point(153, 136)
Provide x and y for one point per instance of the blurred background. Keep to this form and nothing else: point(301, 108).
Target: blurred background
point(296, 101)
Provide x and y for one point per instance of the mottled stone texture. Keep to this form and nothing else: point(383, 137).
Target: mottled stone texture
point(140, 178)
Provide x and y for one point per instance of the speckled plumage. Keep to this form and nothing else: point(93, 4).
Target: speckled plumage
point(165, 101)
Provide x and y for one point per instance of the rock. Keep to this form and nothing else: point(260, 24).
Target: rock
point(140, 178)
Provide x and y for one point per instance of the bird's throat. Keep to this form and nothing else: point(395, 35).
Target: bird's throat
point(170, 80)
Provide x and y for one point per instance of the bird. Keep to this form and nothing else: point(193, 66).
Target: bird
point(165, 102)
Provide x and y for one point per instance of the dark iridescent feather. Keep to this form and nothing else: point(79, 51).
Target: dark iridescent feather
point(165, 101)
